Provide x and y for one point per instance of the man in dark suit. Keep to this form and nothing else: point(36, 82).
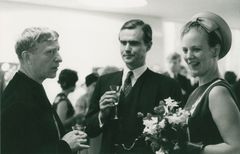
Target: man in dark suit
point(174, 68)
point(141, 91)
point(28, 123)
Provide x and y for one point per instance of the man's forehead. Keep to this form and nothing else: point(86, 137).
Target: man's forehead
point(49, 43)
point(53, 44)
point(131, 34)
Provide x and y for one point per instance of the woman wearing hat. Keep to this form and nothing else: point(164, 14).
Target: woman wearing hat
point(214, 124)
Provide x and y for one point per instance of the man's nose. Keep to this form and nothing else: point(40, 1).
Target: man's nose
point(58, 57)
point(127, 47)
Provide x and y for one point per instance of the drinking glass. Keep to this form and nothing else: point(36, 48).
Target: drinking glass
point(117, 89)
point(79, 127)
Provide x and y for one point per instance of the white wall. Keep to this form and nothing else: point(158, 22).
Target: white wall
point(90, 39)
point(87, 39)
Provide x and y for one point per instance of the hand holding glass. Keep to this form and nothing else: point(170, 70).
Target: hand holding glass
point(117, 89)
point(80, 128)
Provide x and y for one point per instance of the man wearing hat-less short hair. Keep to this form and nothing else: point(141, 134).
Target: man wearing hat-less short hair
point(142, 89)
point(29, 125)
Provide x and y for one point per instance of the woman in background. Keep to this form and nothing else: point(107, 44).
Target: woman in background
point(214, 123)
point(67, 80)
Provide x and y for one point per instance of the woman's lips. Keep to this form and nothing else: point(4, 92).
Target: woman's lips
point(194, 64)
point(128, 56)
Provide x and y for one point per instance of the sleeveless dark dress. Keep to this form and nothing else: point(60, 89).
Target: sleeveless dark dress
point(61, 97)
point(202, 127)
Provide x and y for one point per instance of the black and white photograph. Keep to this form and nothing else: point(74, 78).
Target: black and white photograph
point(120, 76)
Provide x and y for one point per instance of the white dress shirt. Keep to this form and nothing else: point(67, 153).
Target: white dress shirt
point(136, 74)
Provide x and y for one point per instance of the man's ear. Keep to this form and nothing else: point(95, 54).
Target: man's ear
point(26, 57)
point(149, 45)
point(216, 50)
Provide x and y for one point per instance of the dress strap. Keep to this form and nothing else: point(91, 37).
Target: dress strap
point(200, 98)
point(194, 106)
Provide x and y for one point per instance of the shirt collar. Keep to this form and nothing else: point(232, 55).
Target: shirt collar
point(136, 73)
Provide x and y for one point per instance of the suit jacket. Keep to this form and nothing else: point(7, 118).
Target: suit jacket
point(186, 87)
point(146, 93)
point(27, 123)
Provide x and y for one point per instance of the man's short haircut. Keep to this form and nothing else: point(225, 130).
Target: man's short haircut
point(146, 28)
point(174, 56)
point(30, 37)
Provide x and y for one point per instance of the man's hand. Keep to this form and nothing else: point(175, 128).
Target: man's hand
point(76, 140)
point(106, 103)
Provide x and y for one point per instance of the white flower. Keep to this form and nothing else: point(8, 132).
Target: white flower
point(160, 151)
point(166, 110)
point(183, 117)
point(178, 118)
point(171, 103)
point(174, 119)
point(150, 122)
point(150, 129)
point(161, 124)
point(166, 113)
point(150, 125)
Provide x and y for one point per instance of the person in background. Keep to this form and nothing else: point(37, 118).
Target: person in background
point(95, 143)
point(83, 102)
point(183, 71)
point(29, 125)
point(62, 105)
point(236, 89)
point(230, 77)
point(142, 89)
point(108, 69)
point(214, 123)
point(174, 68)
point(82, 106)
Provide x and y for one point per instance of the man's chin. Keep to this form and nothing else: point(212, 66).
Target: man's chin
point(128, 61)
point(52, 75)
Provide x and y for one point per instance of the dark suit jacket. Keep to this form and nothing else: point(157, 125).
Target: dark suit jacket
point(149, 89)
point(185, 85)
point(27, 124)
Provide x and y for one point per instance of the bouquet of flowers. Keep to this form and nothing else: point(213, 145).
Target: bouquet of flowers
point(165, 131)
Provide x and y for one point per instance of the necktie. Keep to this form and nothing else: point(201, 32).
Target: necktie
point(127, 84)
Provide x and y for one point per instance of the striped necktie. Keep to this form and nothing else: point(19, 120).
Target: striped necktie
point(127, 84)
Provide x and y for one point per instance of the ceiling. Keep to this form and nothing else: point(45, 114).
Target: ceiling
point(174, 10)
